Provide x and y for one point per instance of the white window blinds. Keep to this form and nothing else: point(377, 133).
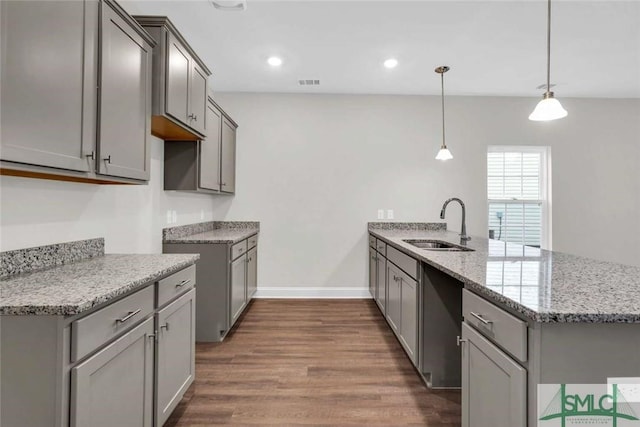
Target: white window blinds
point(516, 194)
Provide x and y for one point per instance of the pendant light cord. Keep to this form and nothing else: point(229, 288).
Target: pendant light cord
point(548, 46)
point(442, 87)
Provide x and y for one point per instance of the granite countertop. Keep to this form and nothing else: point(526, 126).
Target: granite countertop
point(211, 232)
point(78, 286)
point(542, 286)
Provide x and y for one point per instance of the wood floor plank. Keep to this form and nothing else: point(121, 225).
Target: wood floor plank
point(311, 362)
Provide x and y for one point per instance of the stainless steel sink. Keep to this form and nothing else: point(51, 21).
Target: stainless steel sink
point(437, 245)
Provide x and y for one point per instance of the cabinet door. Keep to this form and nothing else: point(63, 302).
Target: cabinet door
point(175, 356)
point(372, 272)
point(394, 283)
point(125, 99)
point(177, 90)
point(238, 287)
point(252, 273)
point(228, 164)
point(48, 83)
point(198, 99)
point(114, 387)
point(209, 161)
point(409, 316)
point(381, 281)
point(493, 385)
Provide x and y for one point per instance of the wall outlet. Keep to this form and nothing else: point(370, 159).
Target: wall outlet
point(389, 213)
point(169, 217)
point(201, 214)
point(174, 216)
point(380, 213)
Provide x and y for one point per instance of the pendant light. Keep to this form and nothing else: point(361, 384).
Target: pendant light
point(444, 153)
point(549, 108)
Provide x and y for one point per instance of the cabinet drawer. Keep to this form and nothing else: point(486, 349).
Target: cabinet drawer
point(381, 247)
point(252, 242)
point(96, 329)
point(372, 241)
point(176, 284)
point(238, 249)
point(405, 262)
point(496, 324)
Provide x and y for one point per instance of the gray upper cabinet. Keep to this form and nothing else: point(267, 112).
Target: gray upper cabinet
point(175, 356)
point(209, 158)
point(35, 83)
point(115, 386)
point(105, 94)
point(177, 96)
point(228, 163)
point(204, 166)
point(494, 387)
point(125, 100)
point(179, 84)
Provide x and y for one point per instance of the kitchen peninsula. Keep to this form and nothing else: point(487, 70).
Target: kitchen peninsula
point(522, 316)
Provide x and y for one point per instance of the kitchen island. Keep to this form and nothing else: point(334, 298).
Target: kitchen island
point(500, 318)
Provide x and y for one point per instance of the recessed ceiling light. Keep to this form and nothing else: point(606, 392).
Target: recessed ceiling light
point(274, 61)
point(391, 63)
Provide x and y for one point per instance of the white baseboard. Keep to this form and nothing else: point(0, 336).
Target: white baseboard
point(310, 293)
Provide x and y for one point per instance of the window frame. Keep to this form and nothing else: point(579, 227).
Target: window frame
point(545, 186)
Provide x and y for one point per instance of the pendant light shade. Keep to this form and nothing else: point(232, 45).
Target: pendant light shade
point(549, 108)
point(444, 153)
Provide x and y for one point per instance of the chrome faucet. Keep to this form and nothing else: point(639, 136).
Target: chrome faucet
point(463, 232)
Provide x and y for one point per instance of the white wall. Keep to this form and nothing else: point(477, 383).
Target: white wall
point(130, 217)
point(315, 168)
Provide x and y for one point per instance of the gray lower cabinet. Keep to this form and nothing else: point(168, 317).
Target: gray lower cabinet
point(105, 367)
point(381, 282)
point(238, 286)
point(179, 84)
point(100, 73)
point(115, 385)
point(252, 273)
point(494, 387)
point(373, 269)
point(409, 316)
point(394, 293)
point(227, 280)
point(228, 157)
point(175, 354)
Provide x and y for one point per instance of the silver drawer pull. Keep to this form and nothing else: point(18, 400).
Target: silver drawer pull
point(128, 316)
point(165, 326)
point(184, 282)
point(480, 318)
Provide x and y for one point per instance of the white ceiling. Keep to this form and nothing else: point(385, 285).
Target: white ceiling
point(492, 47)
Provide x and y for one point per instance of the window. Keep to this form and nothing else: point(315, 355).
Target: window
point(518, 195)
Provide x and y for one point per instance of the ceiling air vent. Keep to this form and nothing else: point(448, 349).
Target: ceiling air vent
point(230, 5)
point(309, 82)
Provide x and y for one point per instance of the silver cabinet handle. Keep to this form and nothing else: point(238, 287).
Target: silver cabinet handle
point(184, 282)
point(460, 341)
point(128, 316)
point(480, 318)
point(90, 156)
point(107, 159)
point(165, 326)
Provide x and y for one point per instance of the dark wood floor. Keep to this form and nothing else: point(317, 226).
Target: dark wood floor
point(311, 362)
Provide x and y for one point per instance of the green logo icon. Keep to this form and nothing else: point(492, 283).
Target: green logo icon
point(587, 406)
